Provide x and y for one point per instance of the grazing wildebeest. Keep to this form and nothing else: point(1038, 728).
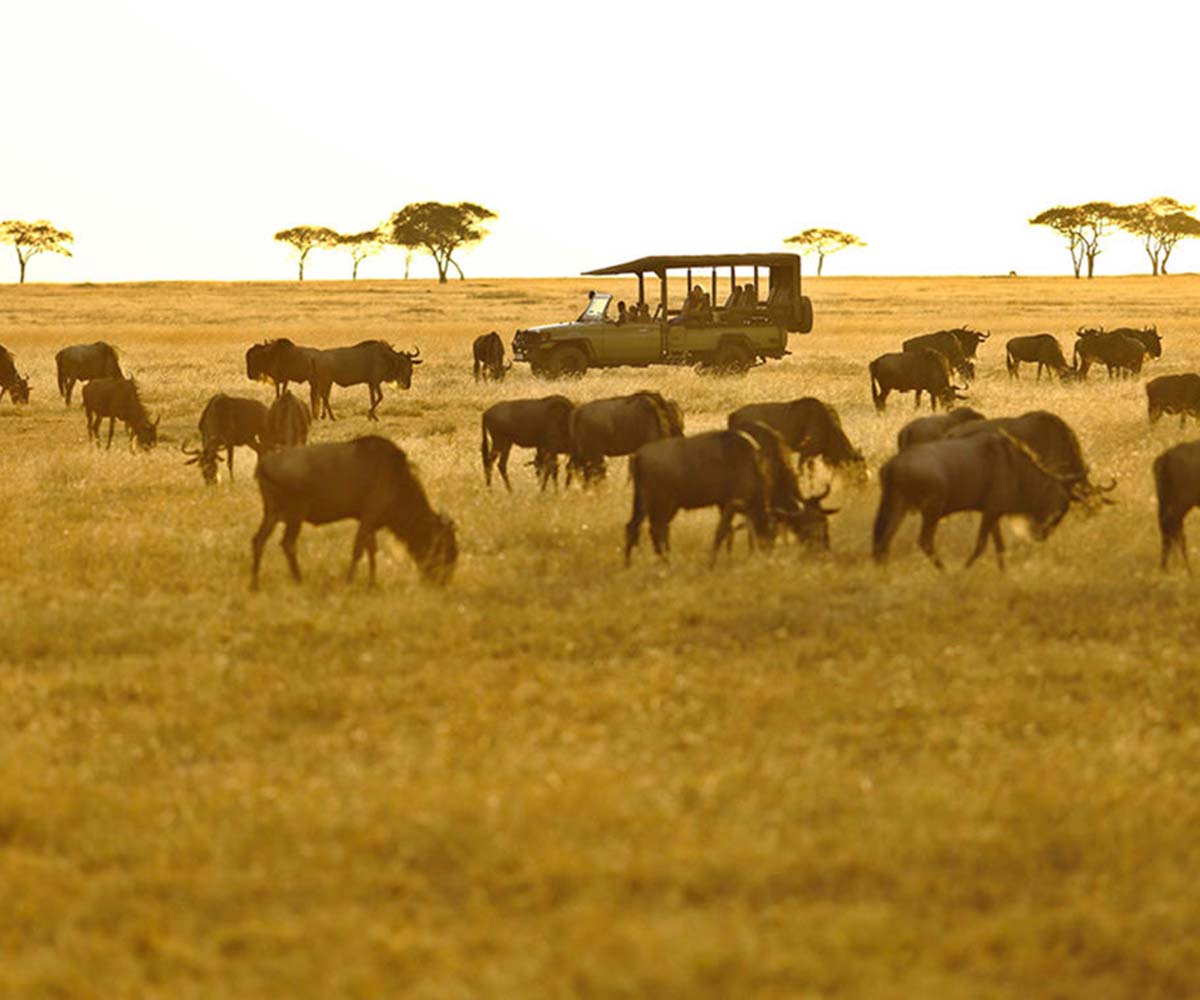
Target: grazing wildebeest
point(117, 399)
point(991, 473)
point(720, 468)
point(1120, 354)
point(808, 426)
point(1042, 349)
point(1174, 394)
point(226, 422)
point(1052, 442)
point(542, 424)
point(946, 343)
point(908, 371)
point(279, 362)
point(17, 386)
point(934, 428)
point(619, 426)
point(489, 357)
point(1177, 482)
point(368, 479)
point(1148, 336)
point(84, 362)
point(371, 362)
point(288, 422)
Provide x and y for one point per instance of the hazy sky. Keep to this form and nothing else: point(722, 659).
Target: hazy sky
point(174, 139)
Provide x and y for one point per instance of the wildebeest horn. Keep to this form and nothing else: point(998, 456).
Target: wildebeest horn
point(416, 352)
point(183, 446)
point(1112, 485)
point(818, 497)
point(827, 511)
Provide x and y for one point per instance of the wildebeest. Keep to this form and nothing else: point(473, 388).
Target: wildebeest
point(84, 362)
point(226, 422)
point(991, 473)
point(370, 362)
point(1042, 349)
point(368, 479)
point(908, 371)
point(934, 428)
point(808, 426)
point(946, 343)
point(1050, 439)
point(288, 422)
point(1177, 483)
point(721, 469)
point(117, 399)
point(17, 386)
point(489, 357)
point(542, 424)
point(1174, 394)
point(1148, 336)
point(279, 362)
point(619, 426)
point(1120, 354)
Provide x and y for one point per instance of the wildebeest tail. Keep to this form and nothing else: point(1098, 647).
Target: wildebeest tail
point(890, 511)
point(1162, 487)
point(1009, 361)
point(62, 378)
point(485, 451)
point(875, 393)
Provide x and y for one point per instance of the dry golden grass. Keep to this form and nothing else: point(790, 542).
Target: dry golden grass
point(791, 776)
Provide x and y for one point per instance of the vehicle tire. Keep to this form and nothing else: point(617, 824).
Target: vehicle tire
point(732, 359)
point(567, 362)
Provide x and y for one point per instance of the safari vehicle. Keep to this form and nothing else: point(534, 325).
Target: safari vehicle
point(746, 329)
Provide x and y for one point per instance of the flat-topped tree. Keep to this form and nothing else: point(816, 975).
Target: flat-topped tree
point(32, 238)
point(305, 239)
point(1067, 221)
point(440, 230)
point(823, 242)
point(1083, 226)
point(1160, 224)
point(360, 246)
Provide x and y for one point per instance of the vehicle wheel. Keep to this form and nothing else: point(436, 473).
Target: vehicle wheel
point(567, 362)
point(732, 359)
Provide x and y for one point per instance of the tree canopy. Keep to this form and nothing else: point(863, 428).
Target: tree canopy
point(360, 246)
point(32, 238)
point(304, 239)
point(440, 230)
point(1160, 224)
point(823, 242)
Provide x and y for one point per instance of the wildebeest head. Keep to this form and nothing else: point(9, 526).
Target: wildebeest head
point(146, 432)
point(405, 360)
point(19, 389)
point(810, 521)
point(206, 459)
point(1152, 341)
point(435, 549)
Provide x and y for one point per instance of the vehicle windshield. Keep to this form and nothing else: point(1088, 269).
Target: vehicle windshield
point(596, 308)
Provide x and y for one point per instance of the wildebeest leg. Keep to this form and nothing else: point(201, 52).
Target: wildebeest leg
point(502, 464)
point(929, 523)
point(660, 535)
point(1181, 541)
point(1039, 372)
point(291, 531)
point(70, 389)
point(634, 526)
point(229, 461)
point(112, 422)
point(724, 532)
point(364, 540)
point(988, 526)
point(258, 541)
point(375, 395)
point(917, 400)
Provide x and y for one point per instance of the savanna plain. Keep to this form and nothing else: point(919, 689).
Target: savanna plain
point(793, 775)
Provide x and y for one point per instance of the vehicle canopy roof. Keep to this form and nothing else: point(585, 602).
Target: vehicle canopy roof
point(657, 265)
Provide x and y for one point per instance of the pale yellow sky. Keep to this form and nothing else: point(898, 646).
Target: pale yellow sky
point(175, 140)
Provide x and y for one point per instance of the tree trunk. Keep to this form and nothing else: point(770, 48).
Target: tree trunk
point(23, 263)
point(461, 276)
point(354, 272)
point(1166, 253)
point(302, 256)
point(407, 264)
point(1091, 262)
point(820, 263)
point(1076, 261)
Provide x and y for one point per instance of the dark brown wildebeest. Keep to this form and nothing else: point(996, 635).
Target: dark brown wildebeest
point(17, 386)
point(84, 362)
point(1147, 336)
point(1177, 482)
point(226, 422)
point(1052, 442)
point(908, 371)
point(288, 422)
point(542, 424)
point(279, 362)
point(1042, 349)
point(1120, 354)
point(934, 428)
point(1174, 394)
point(117, 399)
point(489, 357)
point(371, 362)
point(721, 469)
point(946, 343)
point(991, 473)
point(619, 426)
point(368, 479)
point(808, 426)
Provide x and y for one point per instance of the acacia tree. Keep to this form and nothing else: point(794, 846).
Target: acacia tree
point(360, 246)
point(823, 242)
point(304, 239)
point(1067, 221)
point(1160, 224)
point(32, 238)
point(440, 230)
point(1084, 226)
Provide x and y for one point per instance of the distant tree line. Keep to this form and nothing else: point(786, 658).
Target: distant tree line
point(1160, 224)
point(427, 226)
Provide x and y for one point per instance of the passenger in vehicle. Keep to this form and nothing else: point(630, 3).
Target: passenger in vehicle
point(623, 317)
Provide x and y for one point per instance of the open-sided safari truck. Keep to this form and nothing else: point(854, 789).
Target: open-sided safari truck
point(750, 324)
